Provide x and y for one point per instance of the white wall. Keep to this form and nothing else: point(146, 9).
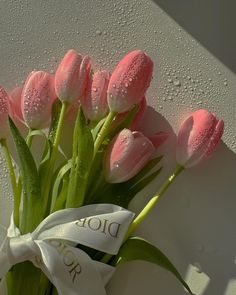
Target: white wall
point(194, 223)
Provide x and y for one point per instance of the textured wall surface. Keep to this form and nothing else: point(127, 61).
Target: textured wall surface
point(194, 223)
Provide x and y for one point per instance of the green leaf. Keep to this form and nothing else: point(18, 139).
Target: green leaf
point(56, 110)
point(97, 128)
point(85, 146)
point(136, 248)
point(57, 184)
point(43, 167)
point(96, 178)
point(32, 213)
point(83, 149)
point(61, 199)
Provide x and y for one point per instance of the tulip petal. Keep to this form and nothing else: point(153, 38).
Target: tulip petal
point(15, 104)
point(194, 137)
point(129, 81)
point(38, 96)
point(128, 153)
point(67, 77)
point(94, 103)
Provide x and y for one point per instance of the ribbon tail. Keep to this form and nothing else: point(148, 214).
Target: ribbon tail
point(70, 269)
point(5, 264)
point(4, 259)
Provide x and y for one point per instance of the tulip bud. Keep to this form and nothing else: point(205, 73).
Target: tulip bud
point(126, 155)
point(129, 81)
point(15, 104)
point(4, 111)
point(71, 76)
point(198, 138)
point(37, 98)
point(94, 103)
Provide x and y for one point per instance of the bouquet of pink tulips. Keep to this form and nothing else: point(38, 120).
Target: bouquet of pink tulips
point(71, 227)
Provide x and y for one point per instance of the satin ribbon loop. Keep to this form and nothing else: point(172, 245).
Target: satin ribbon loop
point(51, 247)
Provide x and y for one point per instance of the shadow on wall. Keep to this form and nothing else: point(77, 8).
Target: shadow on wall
point(210, 22)
point(194, 224)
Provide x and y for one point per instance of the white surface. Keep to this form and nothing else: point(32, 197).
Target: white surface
point(194, 223)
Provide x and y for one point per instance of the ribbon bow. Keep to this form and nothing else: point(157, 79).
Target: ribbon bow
point(51, 247)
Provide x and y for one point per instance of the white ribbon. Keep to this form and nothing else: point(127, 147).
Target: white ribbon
point(51, 247)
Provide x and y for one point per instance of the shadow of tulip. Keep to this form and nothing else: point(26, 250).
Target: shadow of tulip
point(193, 224)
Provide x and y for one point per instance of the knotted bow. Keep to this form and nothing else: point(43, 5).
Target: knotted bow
point(51, 247)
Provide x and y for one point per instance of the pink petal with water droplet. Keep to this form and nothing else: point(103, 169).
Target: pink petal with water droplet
point(67, 77)
point(127, 154)
point(15, 103)
point(129, 81)
point(195, 138)
point(37, 98)
point(94, 103)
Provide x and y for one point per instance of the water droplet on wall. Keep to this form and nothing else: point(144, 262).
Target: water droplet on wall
point(177, 83)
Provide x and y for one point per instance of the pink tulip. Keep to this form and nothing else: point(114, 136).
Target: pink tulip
point(37, 98)
point(15, 104)
point(71, 76)
point(126, 155)
point(129, 81)
point(4, 111)
point(94, 103)
point(198, 138)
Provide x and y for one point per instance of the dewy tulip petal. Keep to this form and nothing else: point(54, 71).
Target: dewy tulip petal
point(67, 77)
point(127, 154)
point(94, 103)
point(15, 104)
point(198, 137)
point(129, 81)
point(4, 111)
point(37, 98)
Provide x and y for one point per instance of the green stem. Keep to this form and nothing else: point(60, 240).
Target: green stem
point(102, 133)
point(146, 210)
point(13, 181)
point(60, 126)
point(29, 138)
point(53, 156)
point(99, 140)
